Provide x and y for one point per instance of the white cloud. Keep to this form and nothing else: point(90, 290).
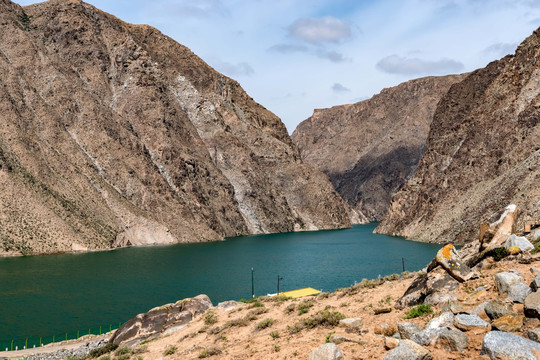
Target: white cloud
point(338, 88)
point(320, 30)
point(395, 64)
point(501, 49)
point(289, 48)
point(230, 69)
point(333, 56)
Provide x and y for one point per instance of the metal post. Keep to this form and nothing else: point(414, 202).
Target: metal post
point(278, 278)
point(403, 263)
point(252, 286)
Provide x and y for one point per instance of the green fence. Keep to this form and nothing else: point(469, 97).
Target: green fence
point(34, 341)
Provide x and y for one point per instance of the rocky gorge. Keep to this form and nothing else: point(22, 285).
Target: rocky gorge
point(371, 148)
point(115, 135)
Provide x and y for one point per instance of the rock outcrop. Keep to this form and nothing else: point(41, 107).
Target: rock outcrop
point(113, 134)
point(483, 152)
point(371, 148)
point(160, 319)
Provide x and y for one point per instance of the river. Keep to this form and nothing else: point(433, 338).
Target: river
point(42, 296)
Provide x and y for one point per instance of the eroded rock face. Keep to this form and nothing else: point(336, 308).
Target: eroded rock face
point(370, 148)
point(482, 153)
point(160, 319)
point(115, 135)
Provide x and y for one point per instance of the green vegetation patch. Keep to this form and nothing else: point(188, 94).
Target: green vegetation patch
point(418, 311)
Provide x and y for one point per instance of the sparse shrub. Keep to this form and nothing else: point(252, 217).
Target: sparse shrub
point(290, 308)
point(323, 295)
point(322, 318)
point(274, 334)
point(264, 324)
point(103, 350)
point(391, 277)
point(327, 340)
point(255, 304)
point(139, 357)
point(418, 311)
point(171, 349)
point(105, 357)
point(304, 306)
point(122, 351)
point(146, 341)
point(210, 318)
point(139, 349)
point(249, 301)
point(210, 351)
point(386, 330)
point(277, 348)
point(498, 253)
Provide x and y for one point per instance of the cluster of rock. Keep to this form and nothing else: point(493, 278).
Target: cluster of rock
point(80, 352)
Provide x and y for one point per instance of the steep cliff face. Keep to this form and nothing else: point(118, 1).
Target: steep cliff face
point(371, 148)
point(483, 153)
point(113, 134)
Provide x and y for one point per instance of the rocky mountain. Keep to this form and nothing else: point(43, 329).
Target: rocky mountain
point(483, 153)
point(113, 134)
point(371, 148)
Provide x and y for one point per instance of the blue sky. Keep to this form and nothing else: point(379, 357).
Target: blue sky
point(294, 56)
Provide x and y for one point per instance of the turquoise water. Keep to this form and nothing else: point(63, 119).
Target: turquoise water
point(42, 296)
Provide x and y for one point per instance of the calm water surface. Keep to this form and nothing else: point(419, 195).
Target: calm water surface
point(45, 295)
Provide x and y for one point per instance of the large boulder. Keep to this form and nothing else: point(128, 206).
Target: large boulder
point(504, 280)
point(408, 350)
point(452, 340)
point(446, 319)
point(407, 330)
point(496, 308)
point(449, 259)
point(535, 284)
point(328, 351)
point(434, 281)
point(500, 230)
point(518, 292)
point(469, 322)
point(508, 323)
point(519, 241)
point(500, 344)
point(160, 319)
point(531, 306)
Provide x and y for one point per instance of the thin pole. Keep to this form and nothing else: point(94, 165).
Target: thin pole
point(252, 285)
point(278, 278)
point(403, 263)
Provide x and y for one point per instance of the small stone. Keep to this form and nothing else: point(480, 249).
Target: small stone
point(534, 334)
point(338, 339)
point(531, 306)
point(407, 330)
point(500, 344)
point(446, 319)
point(382, 311)
point(534, 271)
point(478, 309)
point(508, 323)
point(351, 323)
point(518, 292)
point(452, 340)
point(496, 308)
point(408, 350)
point(504, 280)
point(390, 343)
point(327, 351)
point(468, 322)
point(535, 284)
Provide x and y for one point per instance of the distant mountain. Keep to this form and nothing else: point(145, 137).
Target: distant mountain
point(483, 153)
point(371, 148)
point(113, 134)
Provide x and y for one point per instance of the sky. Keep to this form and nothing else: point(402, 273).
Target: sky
point(295, 56)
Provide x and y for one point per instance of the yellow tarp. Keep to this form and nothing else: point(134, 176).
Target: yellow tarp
point(300, 292)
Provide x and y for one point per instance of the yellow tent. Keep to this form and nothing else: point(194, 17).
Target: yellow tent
point(300, 292)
